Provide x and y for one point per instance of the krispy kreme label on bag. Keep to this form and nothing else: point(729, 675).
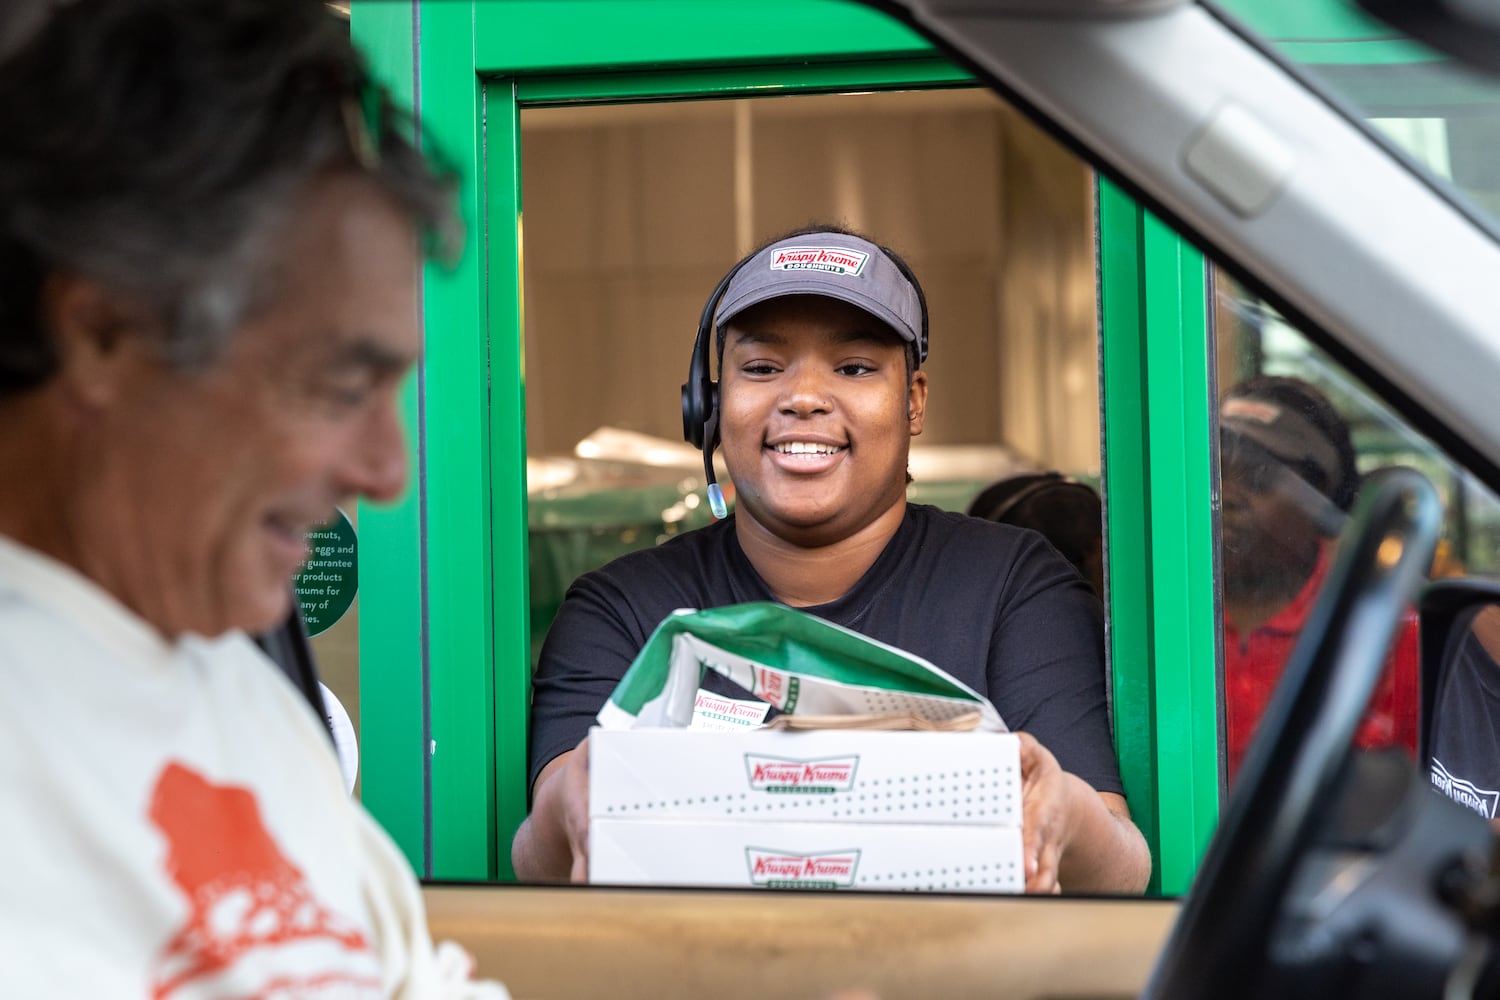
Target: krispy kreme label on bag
point(716, 713)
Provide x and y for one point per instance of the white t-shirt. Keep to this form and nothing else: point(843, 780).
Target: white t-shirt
point(173, 822)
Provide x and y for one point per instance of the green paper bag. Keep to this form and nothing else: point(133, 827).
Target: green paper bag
point(795, 661)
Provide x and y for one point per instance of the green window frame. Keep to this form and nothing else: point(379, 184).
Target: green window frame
point(444, 583)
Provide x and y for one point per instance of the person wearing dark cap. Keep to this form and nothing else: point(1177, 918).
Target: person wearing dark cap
point(1289, 479)
point(820, 336)
point(1066, 512)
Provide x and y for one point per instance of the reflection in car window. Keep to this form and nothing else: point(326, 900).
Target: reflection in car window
point(1297, 435)
point(1443, 116)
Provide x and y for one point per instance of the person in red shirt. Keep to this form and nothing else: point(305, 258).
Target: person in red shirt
point(1289, 477)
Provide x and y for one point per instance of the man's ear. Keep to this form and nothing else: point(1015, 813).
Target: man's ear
point(97, 334)
point(916, 402)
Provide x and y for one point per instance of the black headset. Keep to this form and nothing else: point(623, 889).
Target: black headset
point(700, 393)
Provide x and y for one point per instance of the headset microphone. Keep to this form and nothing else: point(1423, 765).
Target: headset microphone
point(715, 494)
point(700, 397)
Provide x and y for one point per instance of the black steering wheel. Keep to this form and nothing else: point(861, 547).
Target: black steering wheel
point(1302, 745)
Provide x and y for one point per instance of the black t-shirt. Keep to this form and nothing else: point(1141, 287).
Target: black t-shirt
point(1464, 748)
point(993, 605)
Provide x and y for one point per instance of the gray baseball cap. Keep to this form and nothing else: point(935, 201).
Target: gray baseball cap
point(1274, 430)
point(835, 265)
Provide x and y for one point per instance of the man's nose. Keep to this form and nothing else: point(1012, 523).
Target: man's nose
point(376, 467)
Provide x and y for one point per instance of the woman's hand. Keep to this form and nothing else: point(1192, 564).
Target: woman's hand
point(1072, 834)
point(553, 843)
point(1046, 820)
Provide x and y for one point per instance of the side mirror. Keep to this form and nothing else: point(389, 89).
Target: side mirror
point(1467, 30)
point(1458, 745)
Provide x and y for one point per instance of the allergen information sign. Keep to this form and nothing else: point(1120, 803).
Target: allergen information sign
point(329, 579)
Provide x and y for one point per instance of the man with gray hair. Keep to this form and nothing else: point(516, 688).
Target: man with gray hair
point(209, 235)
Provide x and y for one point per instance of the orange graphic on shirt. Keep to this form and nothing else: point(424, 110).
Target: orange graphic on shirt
point(243, 895)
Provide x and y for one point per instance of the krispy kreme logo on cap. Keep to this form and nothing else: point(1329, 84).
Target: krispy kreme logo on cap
point(807, 777)
point(1261, 413)
point(785, 870)
point(836, 260)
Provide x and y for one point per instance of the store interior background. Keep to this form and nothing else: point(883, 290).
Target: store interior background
point(632, 213)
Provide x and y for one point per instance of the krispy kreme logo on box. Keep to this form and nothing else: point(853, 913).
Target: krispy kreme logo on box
point(834, 259)
point(806, 777)
point(774, 869)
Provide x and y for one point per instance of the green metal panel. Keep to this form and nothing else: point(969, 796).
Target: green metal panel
point(751, 81)
point(1376, 53)
point(1127, 512)
point(1309, 20)
point(391, 687)
point(460, 636)
point(1186, 643)
point(507, 463)
point(1326, 32)
point(1156, 377)
point(529, 36)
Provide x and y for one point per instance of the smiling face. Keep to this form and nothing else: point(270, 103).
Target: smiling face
point(198, 488)
point(816, 418)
